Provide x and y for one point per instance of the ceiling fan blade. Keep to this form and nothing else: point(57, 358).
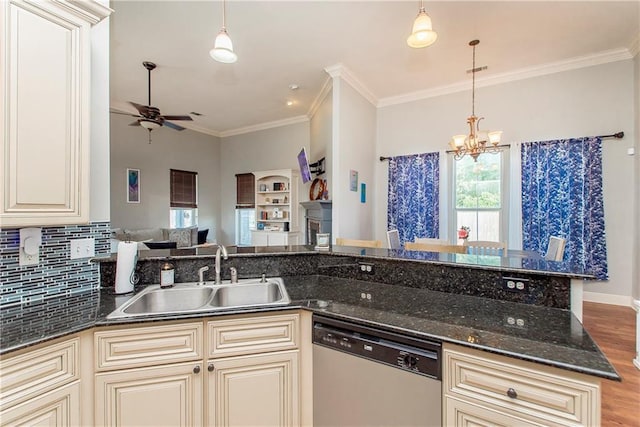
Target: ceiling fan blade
point(178, 118)
point(173, 125)
point(124, 114)
point(136, 123)
point(142, 109)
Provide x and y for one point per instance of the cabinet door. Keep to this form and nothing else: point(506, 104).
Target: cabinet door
point(460, 413)
point(278, 239)
point(45, 79)
point(169, 395)
point(260, 390)
point(259, 238)
point(60, 407)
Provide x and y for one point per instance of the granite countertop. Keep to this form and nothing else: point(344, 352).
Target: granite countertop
point(545, 335)
point(485, 262)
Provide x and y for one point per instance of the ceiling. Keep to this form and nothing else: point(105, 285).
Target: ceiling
point(279, 43)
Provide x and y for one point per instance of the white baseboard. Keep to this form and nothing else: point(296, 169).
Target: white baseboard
point(612, 299)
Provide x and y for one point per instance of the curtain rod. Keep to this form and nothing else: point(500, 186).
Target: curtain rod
point(617, 135)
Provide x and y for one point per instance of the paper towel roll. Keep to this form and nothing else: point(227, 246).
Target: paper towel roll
point(125, 266)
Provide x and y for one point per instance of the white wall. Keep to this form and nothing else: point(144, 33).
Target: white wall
point(321, 128)
point(275, 148)
point(170, 149)
point(99, 146)
point(636, 180)
point(354, 138)
point(590, 101)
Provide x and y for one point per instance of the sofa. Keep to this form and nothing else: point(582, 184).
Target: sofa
point(160, 238)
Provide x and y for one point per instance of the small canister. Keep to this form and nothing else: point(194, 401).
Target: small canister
point(167, 275)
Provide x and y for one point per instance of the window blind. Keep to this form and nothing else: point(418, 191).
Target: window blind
point(245, 191)
point(183, 189)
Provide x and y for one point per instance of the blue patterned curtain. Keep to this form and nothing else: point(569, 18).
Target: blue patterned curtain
point(562, 196)
point(413, 204)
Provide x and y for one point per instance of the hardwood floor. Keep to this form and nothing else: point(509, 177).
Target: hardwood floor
point(613, 329)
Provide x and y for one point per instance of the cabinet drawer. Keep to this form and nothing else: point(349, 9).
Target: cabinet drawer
point(148, 346)
point(554, 395)
point(239, 336)
point(35, 372)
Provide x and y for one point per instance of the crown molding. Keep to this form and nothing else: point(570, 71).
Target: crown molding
point(263, 126)
point(521, 74)
point(339, 70)
point(324, 91)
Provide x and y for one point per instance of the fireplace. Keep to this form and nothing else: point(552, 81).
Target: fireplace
point(318, 219)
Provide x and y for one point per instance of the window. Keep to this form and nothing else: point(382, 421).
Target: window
point(245, 208)
point(183, 191)
point(480, 196)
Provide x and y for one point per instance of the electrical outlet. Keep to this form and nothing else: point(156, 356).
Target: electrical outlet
point(515, 284)
point(30, 241)
point(366, 296)
point(82, 248)
point(366, 268)
point(515, 322)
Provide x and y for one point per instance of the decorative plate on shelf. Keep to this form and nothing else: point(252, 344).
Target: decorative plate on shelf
point(317, 189)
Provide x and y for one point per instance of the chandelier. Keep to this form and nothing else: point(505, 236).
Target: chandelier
point(477, 141)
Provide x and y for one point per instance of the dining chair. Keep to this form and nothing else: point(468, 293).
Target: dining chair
point(431, 241)
point(393, 239)
point(358, 243)
point(431, 247)
point(486, 247)
point(555, 249)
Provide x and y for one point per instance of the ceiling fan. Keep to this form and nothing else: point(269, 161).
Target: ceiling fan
point(150, 117)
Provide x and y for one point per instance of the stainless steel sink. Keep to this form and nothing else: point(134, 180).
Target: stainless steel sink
point(249, 294)
point(195, 298)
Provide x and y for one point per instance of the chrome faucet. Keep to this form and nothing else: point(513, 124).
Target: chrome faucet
point(223, 250)
point(201, 271)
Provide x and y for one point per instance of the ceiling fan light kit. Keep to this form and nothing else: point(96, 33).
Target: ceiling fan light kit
point(223, 47)
point(477, 141)
point(422, 34)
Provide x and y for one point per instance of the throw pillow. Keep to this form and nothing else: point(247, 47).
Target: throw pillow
point(182, 237)
point(202, 236)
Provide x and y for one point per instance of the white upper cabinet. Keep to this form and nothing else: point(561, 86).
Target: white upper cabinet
point(45, 68)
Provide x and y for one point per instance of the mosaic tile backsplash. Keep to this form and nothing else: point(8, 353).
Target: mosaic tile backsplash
point(56, 274)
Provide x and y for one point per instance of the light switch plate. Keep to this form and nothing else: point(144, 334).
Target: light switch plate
point(82, 248)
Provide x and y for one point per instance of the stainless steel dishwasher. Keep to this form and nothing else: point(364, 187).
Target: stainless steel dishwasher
point(364, 376)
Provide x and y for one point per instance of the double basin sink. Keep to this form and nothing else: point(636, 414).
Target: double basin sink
point(197, 298)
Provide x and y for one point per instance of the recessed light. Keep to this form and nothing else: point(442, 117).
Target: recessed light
point(289, 103)
point(293, 86)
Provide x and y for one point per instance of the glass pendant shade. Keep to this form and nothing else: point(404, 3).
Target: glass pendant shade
point(223, 48)
point(149, 124)
point(422, 34)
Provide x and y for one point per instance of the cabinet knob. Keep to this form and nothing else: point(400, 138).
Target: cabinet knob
point(512, 393)
point(196, 369)
point(210, 368)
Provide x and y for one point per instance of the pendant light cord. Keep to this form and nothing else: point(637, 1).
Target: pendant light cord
point(473, 83)
point(224, 14)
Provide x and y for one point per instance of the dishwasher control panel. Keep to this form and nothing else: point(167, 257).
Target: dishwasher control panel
point(417, 356)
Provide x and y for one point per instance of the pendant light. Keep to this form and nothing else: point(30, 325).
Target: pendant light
point(223, 48)
point(478, 141)
point(422, 34)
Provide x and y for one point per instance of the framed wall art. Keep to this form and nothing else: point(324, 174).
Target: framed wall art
point(133, 185)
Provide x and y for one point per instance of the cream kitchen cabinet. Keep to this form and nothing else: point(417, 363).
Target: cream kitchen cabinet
point(253, 372)
point(42, 386)
point(157, 375)
point(149, 375)
point(481, 388)
point(274, 238)
point(45, 72)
